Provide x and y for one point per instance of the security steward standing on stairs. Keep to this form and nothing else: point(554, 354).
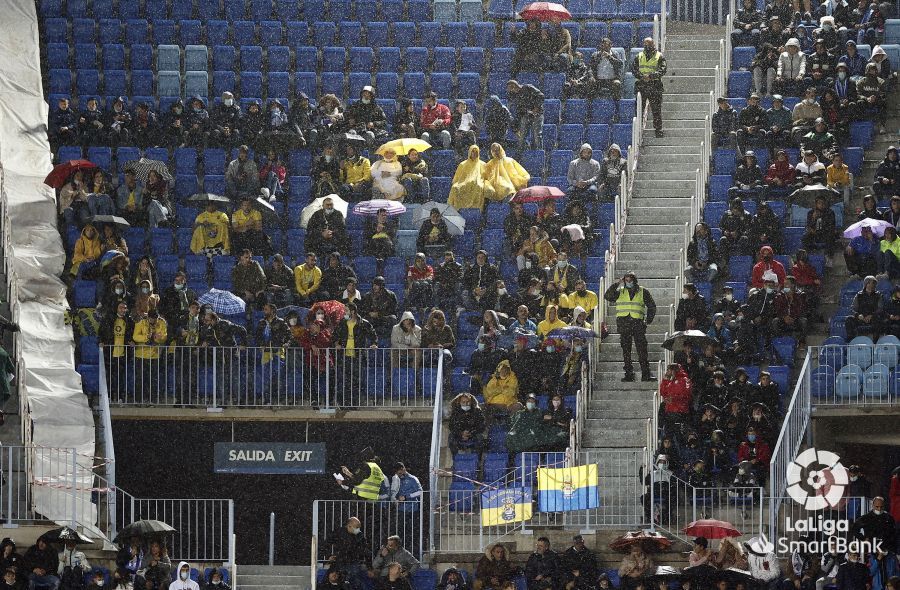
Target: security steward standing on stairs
point(635, 309)
point(366, 479)
point(648, 67)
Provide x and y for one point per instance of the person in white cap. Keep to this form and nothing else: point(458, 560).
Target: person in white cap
point(763, 562)
point(791, 69)
point(367, 118)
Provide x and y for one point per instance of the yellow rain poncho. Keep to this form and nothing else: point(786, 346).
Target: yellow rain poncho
point(211, 230)
point(504, 175)
point(468, 187)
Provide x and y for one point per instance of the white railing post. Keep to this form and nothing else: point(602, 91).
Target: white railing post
point(314, 546)
point(435, 455)
point(232, 549)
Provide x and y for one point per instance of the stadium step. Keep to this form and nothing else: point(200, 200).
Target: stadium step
point(277, 577)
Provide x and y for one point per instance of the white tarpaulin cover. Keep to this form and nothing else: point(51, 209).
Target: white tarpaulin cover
point(56, 405)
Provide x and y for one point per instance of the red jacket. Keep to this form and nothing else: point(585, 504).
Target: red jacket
point(805, 274)
point(280, 172)
point(415, 273)
point(763, 452)
point(757, 279)
point(319, 359)
point(439, 112)
point(782, 170)
point(790, 307)
point(677, 393)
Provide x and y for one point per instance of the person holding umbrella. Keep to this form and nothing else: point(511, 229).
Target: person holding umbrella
point(649, 67)
point(634, 567)
point(528, 114)
point(379, 234)
point(861, 254)
point(635, 309)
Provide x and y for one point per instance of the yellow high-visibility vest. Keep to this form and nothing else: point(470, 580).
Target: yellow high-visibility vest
point(369, 488)
point(647, 66)
point(626, 306)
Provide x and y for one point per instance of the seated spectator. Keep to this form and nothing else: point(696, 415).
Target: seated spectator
point(748, 180)
point(887, 176)
point(855, 62)
point(516, 228)
point(821, 227)
point(820, 67)
point(726, 304)
point(781, 176)
point(790, 313)
point(791, 69)
point(747, 25)
point(543, 566)
point(573, 364)
point(528, 56)
point(272, 332)
point(702, 255)
point(63, 127)
point(452, 579)
point(610, 177)
point(803, 34)
point(144, 127)
point(72, 201)
point(866, 311)
point(242, 176)
point(548, 219)
point(804, 116)
point(354, 332)
point(578, 78)
point(379, 235)
point(780, 123)
point(700, 478)
point(395, 580)
point(735, 226)
point(434, 236)
point(724, 125)
point(720, 331)
point(563, 274)
point(861, 254)
point(419, 283)
point(752, 123)
point(871, 90)
point(335, 276)
point(501, 392)
point(853, 574)
point(304, 122)
point(888, 255)
point(415, 178)
point(160, 212)
point(527, 104)
point(91, 130)
point(634, 567)
point(578, 565)
point(225, 122)
point(891, 312)
point(279, 282)
point(582, 297)
point(700, 554)
point(367, 118)
point(246, 229)
point(522, 322)
point(836, 114)
point(391, 553)
point(129, 199)
point(503, 175)
point(272, 176)
point(356, 175)
point(676, 392)
point(487, 355)
point(469, 186)
point(197, 123)
point(559, 47)
point(379, 306)
point(434, 122)
point(819, 141)
point(757, 451)
point(326, 231)
point(406, 123)
point(217, 581)
point(766, 229)
point(479, 281)
point(550, 322)
point(463, 128)
point(87, 252)
point(494, 569)
point(583, 175)
point(326, 174)
point(467, 425)
point(386, 174)
point(885, 72)
point(527, 431)
point(838, 177)
point(254, 124)
point(764, 67)
point(448, 283)
point(869, 23)
point(809, 171)
point(692, 313)
point(765, 264)
point(307, 280)
point(807, 279)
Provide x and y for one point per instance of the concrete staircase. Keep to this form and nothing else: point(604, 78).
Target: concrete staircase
point(659, 208)
point(272, 577)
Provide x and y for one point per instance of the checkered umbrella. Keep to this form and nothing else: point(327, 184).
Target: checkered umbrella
point(143, 167)
point(222, 302)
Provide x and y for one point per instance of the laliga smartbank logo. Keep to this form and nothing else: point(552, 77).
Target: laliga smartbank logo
point(816, 479)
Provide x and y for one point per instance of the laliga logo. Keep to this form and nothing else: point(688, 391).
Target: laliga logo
point(816, 479)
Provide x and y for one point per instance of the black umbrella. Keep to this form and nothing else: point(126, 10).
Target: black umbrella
point(66, 535)
point(352, 138)
point(734, 574)
point(666, 572)
point(114, 219)
point(142, 168)
point(806, 196)
point(267, 210)
point(207, 197)
point(694, 337)
point(144, 528)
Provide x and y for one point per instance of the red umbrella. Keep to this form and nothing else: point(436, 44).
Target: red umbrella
point(544, 11)
point(536, 194)
point(711, 529)
point(62, 172)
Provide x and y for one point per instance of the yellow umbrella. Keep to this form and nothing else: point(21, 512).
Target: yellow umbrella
point(402, 146)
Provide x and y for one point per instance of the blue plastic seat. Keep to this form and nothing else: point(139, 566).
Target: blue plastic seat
point(84, 293)
point(350, 33)
point(456, 34)
point(570, 136)
point(179, 9)
point(56, 30)
point(251, 59)
point(163, 32)
point(278, 85)
point(631, 9)
point(469, 84)
point(620, 133)
point(306, 59)
point(621, 34)
point(404, 34)
point(235, 9)
point(305, 82)
point(377, 35)
point(471, 11)
point(270, 33)
point(359, 80)
point(323, 33)
point(87, 82)
point(414, 84)
point(333, 59)
point(739, 84)
point(849, 381)
point(136, 31)
point(287, 10)
point(85, 57)
point(742, 57)
point(418, 11)
point(443, 60)
point(415, 59)
point(168, 58)
point(574, 111)
point(442, 84)
point(84, 30)
point(196, 58)
point(366, 10)
point(361, 59)
point(218, 32)
point(223, 81)
point(260, 10)
point(210, 9)
point(168, 84)
point(251, 84)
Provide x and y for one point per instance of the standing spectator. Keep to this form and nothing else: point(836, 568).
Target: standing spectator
point(648, 68)
point(611, 169)
point(875, 524)
point(765, 229)
point(821, 228)
point(248, 280)
point(415, 178)
point(497, 120)
point(887, 176)
point(676, 392)
point(307, 280)
point(838, 177)
point(528, 113)
point(272, 332)
point(853, 575)
point(242, 176)
point(175, 302)
point(326, 231)
point(356, 175)
point(149, 335)
point(379, 306)
point(463, 128)
point(386, 174)
point(542, 566)
point(494, 569)
point(434, 122)
point(606, 71)
point(419, 283)
point(583, 175)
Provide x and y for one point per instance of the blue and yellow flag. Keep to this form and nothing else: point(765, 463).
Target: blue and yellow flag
point(567, 488)
point(505, 506)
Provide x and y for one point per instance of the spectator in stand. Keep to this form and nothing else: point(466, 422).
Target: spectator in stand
point(748, 179)
point(781, 176)
point(453, 579)
point(766, 229)
point(160, 211)
point(606, 72)
point(174, 123)
point(463, 128)
point(516, 228)
point(761, 312)
point(379, 235)
point(634, 567)
point(861, 254)
point(497, 120)
point(527, 431)
point(392, 553)
point(720, 331)
point(246, 229)
point(149, 335)
point(503, 175)
point(856, 63)
point(836, 114)
point(406, 123)
point(467, 425)
point(434, 122)
point(129, 199)
point(326, 231)
point(379, 306)
point(820, 141)
point(248, 280)
point(692, 313)
point(853, 575)
point(350, 553)
point(804, 115)
point(838, 176)
point(548, 219)
point(611, 169)
point(791, 69)
point(117, 121)
point(272, 332)
point(543, 566)
point(724, 125)
point(480, 281)
point(356, 175)
point(144, 126)
point(225, 114)
point(767, 263)
point(726, 304)
point(528, 113)
point(242, 176)
point(888, 255)
point(583, 175)
point(780, 122)
point(501, 393)
point(700, 554)
point(866, 311)
point(820, 67)
point(419, 283)
point(72, 201)
point(335, 277)
point(63, 129)
point(304, 121)
point(757, 451)
point(91, 130)
point(315, 342)
point(752, 123)
point(871, 90)
point(254, 123)
point(279, 282)
point(87, 252)
point(307, 280)
point(529, 55)
point(869, 22)
point(559, 46)
point(367, 118)
point(810, 171)
point(434, 236)
point(790, 314)
point(197, 123)
point(272, 177)
point(875, 524)
point(765, 68)
point(885, 72)
point(578, 565)
point(735, 226)
point(676, 391)
point(887, 176)
point(494, 568)
point(386, 174)
point(869, 210)
point(578, 82)
point(821, 228)
point(447, 283)
point(469, 187)
point(212, 234)
point(747, 25)
point(415, 178)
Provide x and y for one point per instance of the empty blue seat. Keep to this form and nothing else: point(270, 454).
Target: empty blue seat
point(168, 84)
point(620, 34)
point(333, 59)
point(469, 84)
point(377, 35)
point(404, 34)
point(742, 57)
point(305, 82)
point(163, 32)
point(359, 80)
point(443, 59)
point(87, 82)
point(501, 9)
point(574, 111)
point(218, 32)
point(251, 84)
point(196, 84)
point(441, 83)
point(418, 11)
point(350, 33)
point(278, 85)
point(251, 58)
point(456, 34)
point(85, 57)
point(570, 136)
point(631, 9)
point(740, 267)
point(367, 11)
point(223, 81)
point(620, 133)
point(361, 59)
point(333, 83)
point(168, 58)
point(270, 33)
point(287, 10)
point(235, 9)
point(196, 58)
point(209, 8)
point(414, 84)
point(179, 9)
point(324, 33)
point(739, 84)
point(533, 161)
point(84, 293)
point(84, 30)
point(849, 381)
point(56, 30)
point(136, 31)
point(306, 59)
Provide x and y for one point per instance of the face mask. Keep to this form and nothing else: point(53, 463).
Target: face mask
point(530, 405)
point(145, 290)
point(742, 471)
point(228, 102)
point(501, 291)
point(217, 582)
point(481, 346)
point(556, 403)
point(853, 478)
point(582, 292)
point(292, 322)
point(98, 582)
point(579, 348)
point(629, 284)
point(562, 264)
point(347, 316)
point(787, 289)
point(366, 101)
point(770, 290)
point(320, 316)
point(178, 110)
point(465, 408)
point(355, 531)
point(198, 109)
point(810, 101)
point(842, 75)
point(527, 264)
point(551, 349)
point(684, 295)
point(751, 437)
point(877, 511)
point(120, 291)
point(729, 297)
point(179, 286)
point(328, 158)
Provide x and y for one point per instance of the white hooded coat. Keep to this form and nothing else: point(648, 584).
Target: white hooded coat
point(180, 584)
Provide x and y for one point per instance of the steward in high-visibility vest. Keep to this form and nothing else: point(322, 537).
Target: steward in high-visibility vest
point(648, 67)
point(366, 479)
point(635, 309)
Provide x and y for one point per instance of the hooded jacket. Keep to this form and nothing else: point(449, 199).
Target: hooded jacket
point(469, 188)
point(471, 420)
point(488, 567)
point(724, 121)
point(692, 308)
point(889, 170)
point(584, 170)
point(748, 173)
point(46, 559)
point(781, 170)
point(502, 391)
point(180, 584)
point(224, 116)
point(86, 249)
point(677, 392)
point(815, 171)
point(445, 584)
point(496, 115)
point(403, 339)
point(762, 266)
point(198, 117)
point(547, 325)
point(504, 176)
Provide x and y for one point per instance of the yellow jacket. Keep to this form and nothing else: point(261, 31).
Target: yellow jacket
point(467, 189)
point(505, 176)
point(587, 302)
point(835, 176)
point(307, 281)
point(547, 324)
point(893, 247)
point(241, 221)
point(211, 230)
point(361, 171)
point(502, 391)
point(86, 249)
point(144, 335)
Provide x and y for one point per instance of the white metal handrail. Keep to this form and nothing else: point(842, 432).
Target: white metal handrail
point(437, 438)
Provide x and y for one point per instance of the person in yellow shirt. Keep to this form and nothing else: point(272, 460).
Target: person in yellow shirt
point(888, 256)
point(150, 335)
point(356, 175)
point(88, 249)
point(501, 394)
point(116, 332)
point(550, 322)
point(212, 235)
point(503, 174)
point(582, 297)
point(307, 278)
point(246, 229)
point(838, 177)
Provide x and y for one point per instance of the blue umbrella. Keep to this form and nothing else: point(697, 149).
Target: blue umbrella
point(222, 302)
point(572, 332)
point(508, 339)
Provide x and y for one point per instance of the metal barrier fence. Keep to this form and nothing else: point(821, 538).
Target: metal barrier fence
point(702, 11)
point(790, 439)
point(56, 471)
point(790, 513)
point(139, 375)
point(853, 375)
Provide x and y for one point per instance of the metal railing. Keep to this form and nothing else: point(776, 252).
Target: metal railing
point(849, 508)
point(434, 456)
point(138, 375)
point(711, 12)
point(55, 471)
point(853, 375)
point(790, 440)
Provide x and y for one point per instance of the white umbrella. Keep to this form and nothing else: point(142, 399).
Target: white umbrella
point(339, 205)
